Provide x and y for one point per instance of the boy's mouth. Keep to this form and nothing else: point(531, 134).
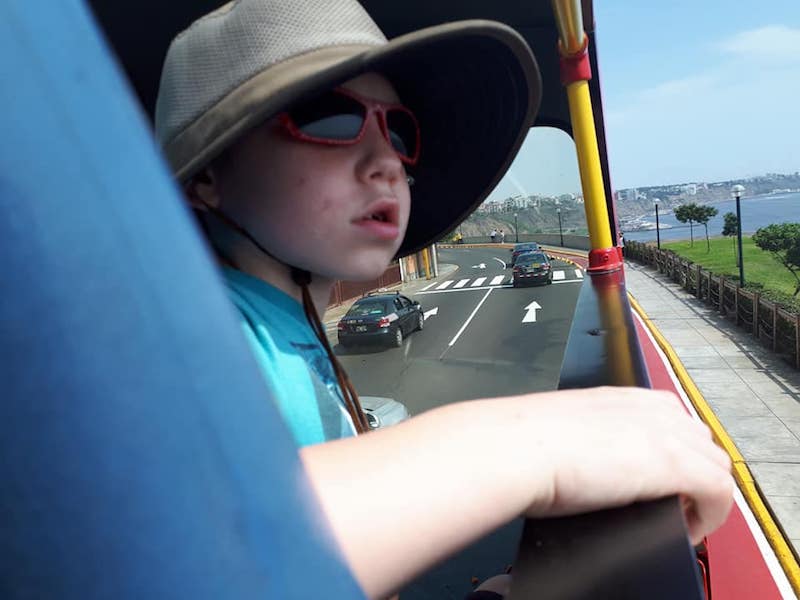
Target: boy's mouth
point(382, 211)
point(381, 220)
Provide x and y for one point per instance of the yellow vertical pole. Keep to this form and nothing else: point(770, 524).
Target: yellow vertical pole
point(426, 259)
point(580, 108)
point(575, 74)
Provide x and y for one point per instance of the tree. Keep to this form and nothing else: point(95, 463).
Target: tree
point(701, 215)
point(684, 214)
point(783, 242)
point(729, 229)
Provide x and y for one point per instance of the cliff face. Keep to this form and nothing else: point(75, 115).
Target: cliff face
point(529, 220)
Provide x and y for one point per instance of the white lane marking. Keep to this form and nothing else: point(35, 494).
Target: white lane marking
point(578, 273)
point(464, 326)
point(430, 285)
point(497, 280)
point(500, 261)
point(530, 315)
point(559, 275)
point(430, 313)
point(478, 281)
point(478, 289)
point(461, 283)
point(564, 281)
point(445, 284)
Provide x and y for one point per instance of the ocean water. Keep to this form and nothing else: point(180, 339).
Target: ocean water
point(757, 211)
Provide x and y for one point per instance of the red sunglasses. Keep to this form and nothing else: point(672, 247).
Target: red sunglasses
point(339, 118)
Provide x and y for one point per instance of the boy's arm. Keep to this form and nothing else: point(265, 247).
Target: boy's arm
point(449, 476)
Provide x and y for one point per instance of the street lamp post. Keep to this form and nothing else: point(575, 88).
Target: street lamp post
point(658, 229)
point(560, 230)
point(516, 230)
point(736, 192)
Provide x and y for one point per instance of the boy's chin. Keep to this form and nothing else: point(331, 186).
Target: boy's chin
point(363, 272)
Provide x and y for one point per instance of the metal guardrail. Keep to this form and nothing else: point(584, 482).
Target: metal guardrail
point(773, 325)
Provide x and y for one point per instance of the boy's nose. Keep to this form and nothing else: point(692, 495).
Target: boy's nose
point(381, 159)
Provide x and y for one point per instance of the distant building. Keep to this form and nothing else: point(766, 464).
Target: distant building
point(629, 195)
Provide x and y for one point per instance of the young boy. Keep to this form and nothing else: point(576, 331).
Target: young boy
point(296, 129)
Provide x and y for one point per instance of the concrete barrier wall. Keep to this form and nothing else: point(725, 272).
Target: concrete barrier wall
point(578, 242)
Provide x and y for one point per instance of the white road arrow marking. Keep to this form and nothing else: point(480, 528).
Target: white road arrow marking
point(478, 282)
point(480, 266)
point(530, 316)
point(461, 283)
point(430, 313)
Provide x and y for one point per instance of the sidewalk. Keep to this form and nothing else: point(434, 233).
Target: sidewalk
point(753, 393)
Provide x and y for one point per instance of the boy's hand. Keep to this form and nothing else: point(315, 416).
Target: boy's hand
point(609, 446)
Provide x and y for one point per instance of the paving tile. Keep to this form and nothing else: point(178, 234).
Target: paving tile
point(768, 388)
point(706, 362)
point(686, 352)
point(794, 426)
point(764, 439)
point(755, 375)
point(686, 339)
point(784, 406)
point(740, 405)
point(723, 389)
point(787, 511)
point(728, 349)
point(777, 479)
point(743, 363)
point(711, 375)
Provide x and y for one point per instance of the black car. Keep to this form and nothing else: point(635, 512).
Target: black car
point(532, 267)
point(384, 318)
point(522, 248)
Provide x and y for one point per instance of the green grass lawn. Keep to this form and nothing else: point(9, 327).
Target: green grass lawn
point(759, 266)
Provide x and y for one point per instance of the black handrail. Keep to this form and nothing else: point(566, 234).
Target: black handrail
point(633, 552)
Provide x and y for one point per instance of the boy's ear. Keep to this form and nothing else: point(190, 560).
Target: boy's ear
point(201, 191)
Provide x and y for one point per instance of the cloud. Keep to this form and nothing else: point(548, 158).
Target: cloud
point(679, 87)
point(734, 118)
point(773, 43)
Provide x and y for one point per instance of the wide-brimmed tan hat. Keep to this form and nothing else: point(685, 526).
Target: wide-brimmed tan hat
point(474, 86)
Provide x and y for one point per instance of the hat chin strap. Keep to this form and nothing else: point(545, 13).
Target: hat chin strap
point(302, 278)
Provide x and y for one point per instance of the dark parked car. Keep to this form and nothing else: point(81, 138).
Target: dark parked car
point(384, 318)
point(532, 267)
point(522, 248)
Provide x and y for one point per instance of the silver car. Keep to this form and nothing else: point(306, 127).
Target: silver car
point(383, 412)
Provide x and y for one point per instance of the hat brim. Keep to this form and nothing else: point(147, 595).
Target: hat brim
point(474, 86)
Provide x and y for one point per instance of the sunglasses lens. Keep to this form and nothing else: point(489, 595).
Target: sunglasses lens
point(402, 132)
point(330, 117)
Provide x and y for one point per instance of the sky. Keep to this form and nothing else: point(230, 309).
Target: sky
point(692, 91)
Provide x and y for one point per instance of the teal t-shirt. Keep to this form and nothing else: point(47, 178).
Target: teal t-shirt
point(292, 359)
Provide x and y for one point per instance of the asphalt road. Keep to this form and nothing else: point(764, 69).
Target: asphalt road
point(480, 341)
point(482, 338)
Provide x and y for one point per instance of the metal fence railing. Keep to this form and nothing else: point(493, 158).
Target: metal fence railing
point(346, 290)
point(773, 325)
